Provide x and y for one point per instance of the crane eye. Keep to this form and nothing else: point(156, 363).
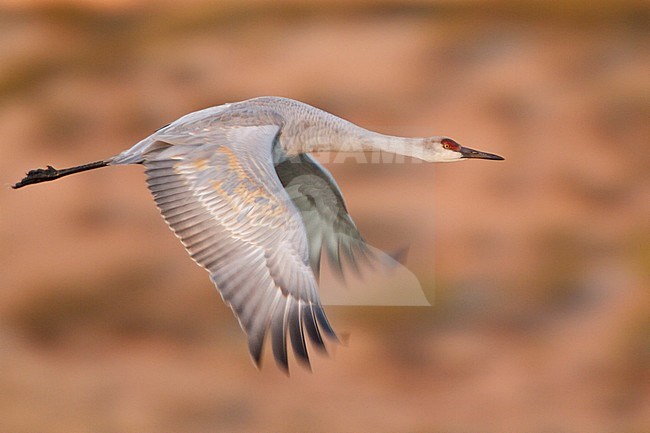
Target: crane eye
point(450, 144)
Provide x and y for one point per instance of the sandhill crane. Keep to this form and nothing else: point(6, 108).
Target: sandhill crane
point(237, 184)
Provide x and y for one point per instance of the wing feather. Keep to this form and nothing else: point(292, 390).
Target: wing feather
point(297, 333)
point(223, 199)
point(327, 221)
point(279, 333)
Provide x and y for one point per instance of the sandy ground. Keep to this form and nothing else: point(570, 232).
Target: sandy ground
point(538, 266)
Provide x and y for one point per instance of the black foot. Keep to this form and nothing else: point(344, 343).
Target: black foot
point(37, 176)
point(50, 173)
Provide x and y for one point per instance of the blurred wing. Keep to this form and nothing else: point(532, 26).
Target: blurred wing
point(221, 196)
point(318, 198)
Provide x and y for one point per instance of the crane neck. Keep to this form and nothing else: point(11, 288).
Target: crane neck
point(334, 134)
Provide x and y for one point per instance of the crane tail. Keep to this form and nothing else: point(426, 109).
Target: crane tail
point(50, 173)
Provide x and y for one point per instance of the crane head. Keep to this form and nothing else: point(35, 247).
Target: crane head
point(444, 149)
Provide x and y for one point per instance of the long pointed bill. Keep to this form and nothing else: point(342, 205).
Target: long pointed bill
point(471, 153)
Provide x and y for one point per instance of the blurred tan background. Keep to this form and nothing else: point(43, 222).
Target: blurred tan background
point(539, 265)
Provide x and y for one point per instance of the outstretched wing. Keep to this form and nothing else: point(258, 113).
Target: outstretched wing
point(327, 221)
point(221, 196)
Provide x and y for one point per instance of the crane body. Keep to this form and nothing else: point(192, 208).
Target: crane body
point(238, 186)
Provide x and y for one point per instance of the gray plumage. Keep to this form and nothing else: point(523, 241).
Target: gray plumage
point(238, 187)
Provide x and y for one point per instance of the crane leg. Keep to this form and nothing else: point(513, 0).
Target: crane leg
point(50, 173)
